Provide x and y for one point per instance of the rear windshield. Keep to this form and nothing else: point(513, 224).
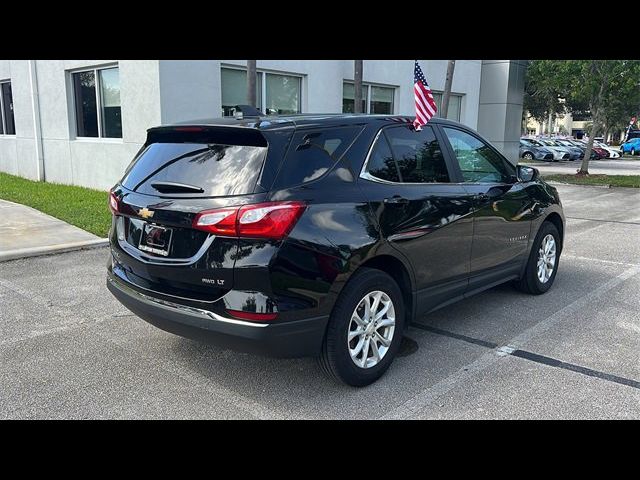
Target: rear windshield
point(216, 169)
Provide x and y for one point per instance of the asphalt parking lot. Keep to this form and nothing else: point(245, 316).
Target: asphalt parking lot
point(69, 350)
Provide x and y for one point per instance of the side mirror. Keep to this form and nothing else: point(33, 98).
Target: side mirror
point(527, 174)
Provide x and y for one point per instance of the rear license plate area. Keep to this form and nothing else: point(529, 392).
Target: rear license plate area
point(155, 239)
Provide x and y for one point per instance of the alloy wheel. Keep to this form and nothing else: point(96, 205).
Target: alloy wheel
point(371, 329)
point(546, 258)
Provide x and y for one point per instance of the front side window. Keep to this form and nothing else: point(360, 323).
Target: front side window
point(97, 103)
point(418, 155)
point(7, 122)
point(478, 162)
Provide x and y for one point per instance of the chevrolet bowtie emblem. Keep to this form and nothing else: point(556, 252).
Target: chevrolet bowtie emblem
point(145, 212)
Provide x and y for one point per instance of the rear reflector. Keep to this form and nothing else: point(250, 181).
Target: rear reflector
point(272, 220)
point(259, 317)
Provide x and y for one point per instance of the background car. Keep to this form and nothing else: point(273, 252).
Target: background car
point(558, 152)
point(597, 153)
point(572, 153)
point(576, 150)
point(613, 153)
point(532, 150)
point(631, 146)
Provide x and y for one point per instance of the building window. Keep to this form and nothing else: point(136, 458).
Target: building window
point(375, 98)
point(7, 123)
point(455, 105)
point(97, 103)
point(276, 94)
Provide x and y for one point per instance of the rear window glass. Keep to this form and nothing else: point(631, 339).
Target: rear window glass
point(219, 170)
point(314, 152)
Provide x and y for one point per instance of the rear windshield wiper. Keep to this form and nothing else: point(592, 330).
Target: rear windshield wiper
point(172, 187)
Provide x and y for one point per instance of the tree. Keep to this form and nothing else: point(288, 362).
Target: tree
point(251, 82)
point(357, 86)
point(444, 110)
point(607, 89)
point(544, 88)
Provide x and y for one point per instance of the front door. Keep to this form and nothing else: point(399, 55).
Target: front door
point(502, 208)
point(421, 213)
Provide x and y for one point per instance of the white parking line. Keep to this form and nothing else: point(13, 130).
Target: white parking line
point(612, 262)
point(412, 407)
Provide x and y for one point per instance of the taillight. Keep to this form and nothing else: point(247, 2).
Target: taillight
point(263, 220)
point(113, 202)
point(259, 317)
point(220, 222)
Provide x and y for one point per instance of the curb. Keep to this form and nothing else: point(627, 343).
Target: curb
point(51, 249)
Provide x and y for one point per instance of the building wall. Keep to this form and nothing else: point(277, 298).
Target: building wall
point(154, 92)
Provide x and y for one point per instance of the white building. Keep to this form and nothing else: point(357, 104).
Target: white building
point(82, 121)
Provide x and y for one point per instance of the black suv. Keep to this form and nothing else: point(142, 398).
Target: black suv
point(323, 235)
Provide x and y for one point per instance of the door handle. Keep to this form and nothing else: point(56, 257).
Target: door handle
point(397, 200)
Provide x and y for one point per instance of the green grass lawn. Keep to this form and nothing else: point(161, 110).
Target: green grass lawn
point(613, 180)
point(79, 206)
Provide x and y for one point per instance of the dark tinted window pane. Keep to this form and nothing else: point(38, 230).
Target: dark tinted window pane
point(478, 162)
point(84, 87)
point(312, 153)
point(7, 106)
point(234, 90)
point(110, 100)
point(348, 98)
point(418, 155)
point(381, 163)
point(218, 169)
point(381, 100)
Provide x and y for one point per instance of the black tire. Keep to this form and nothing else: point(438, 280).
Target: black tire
point(528, 156)
point(530, 283)
point(335, 359)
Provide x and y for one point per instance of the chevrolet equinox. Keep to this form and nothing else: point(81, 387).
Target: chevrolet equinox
point(323, 235)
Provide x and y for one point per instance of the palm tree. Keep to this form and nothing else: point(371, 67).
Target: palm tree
point(444, 108)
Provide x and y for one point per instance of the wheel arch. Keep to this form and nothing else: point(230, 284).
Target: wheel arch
point(401, 273)
point(556, 220)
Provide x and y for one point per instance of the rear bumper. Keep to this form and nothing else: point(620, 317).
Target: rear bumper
point(297, 338)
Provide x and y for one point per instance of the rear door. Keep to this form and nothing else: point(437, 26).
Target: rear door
point(178, 173)
point(420, 212)
point(502, 208)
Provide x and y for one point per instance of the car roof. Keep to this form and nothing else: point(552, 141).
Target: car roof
point(272, 122)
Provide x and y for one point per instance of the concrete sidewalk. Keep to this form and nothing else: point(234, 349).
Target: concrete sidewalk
point(27, 232)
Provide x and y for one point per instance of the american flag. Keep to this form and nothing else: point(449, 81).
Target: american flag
point(425, 104)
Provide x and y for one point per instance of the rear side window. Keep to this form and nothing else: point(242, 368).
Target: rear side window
point(381, 163)
point(312, 153)
point(418, 155)
point(216, 169)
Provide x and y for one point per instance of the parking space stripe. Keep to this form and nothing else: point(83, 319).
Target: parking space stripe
point(552, 362)
point(603, 221)
point(412, 407)
point(457, 336)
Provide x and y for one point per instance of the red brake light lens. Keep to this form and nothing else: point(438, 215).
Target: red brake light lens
point(221, 221)
point(272, 220)
point(113, 202)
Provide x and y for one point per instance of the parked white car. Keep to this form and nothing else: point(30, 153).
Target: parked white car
point(613, 153)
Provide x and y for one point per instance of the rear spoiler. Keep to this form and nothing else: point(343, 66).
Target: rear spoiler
point(218, 134)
